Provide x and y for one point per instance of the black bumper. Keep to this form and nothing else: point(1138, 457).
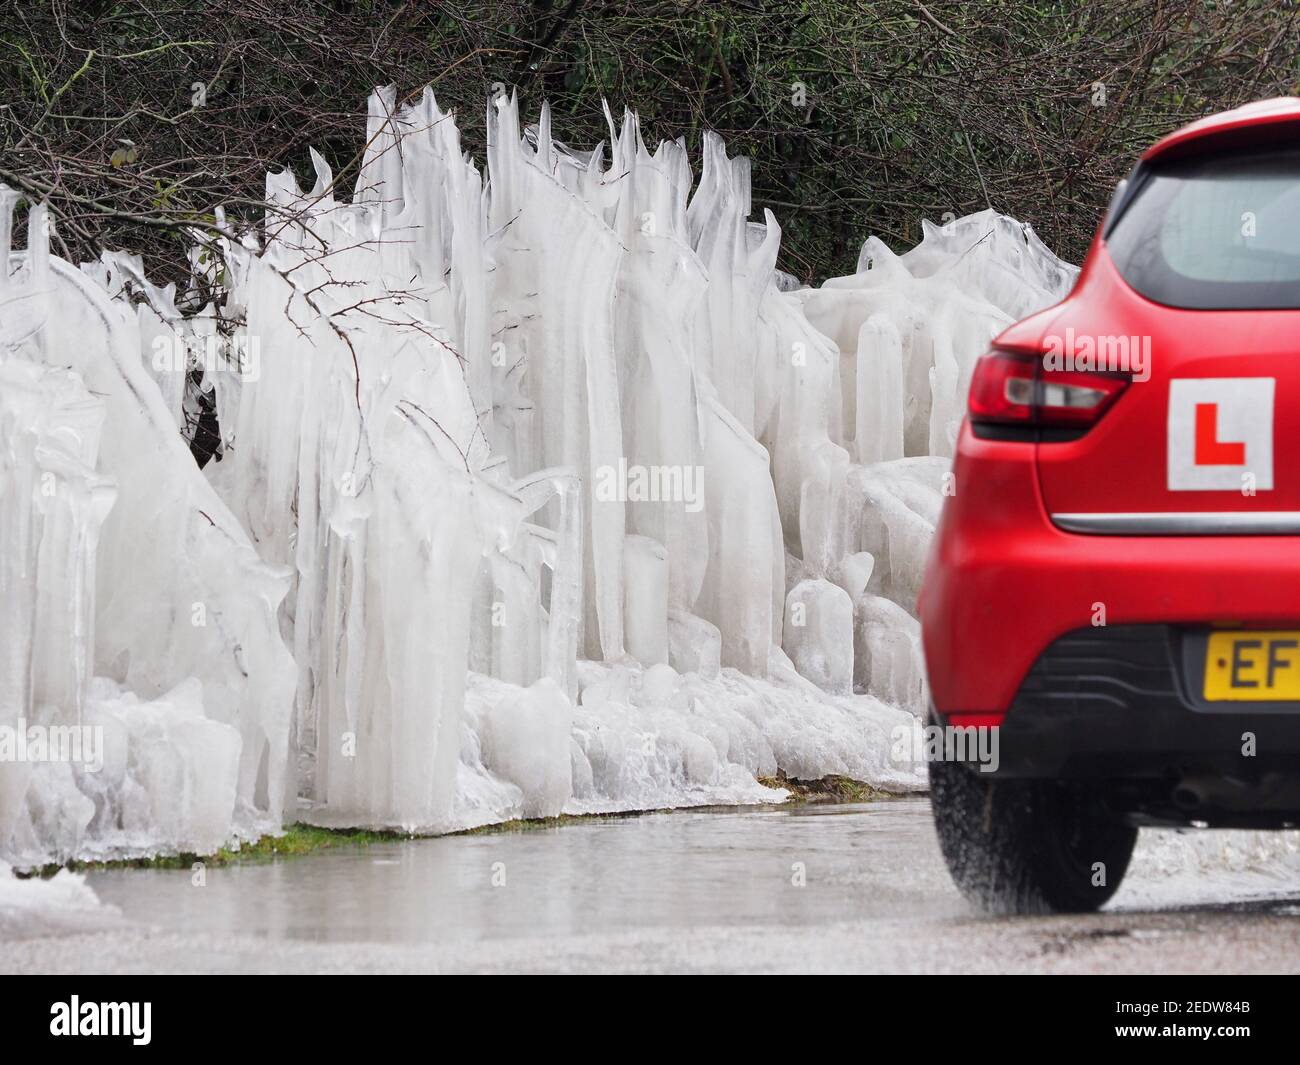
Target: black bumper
point(1122, 704)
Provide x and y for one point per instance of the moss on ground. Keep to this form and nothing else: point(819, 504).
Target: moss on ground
point(297, 839)
point(533, 824)
point(300, 839)
point(827, 789)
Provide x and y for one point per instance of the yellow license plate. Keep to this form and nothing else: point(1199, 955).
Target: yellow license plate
point(1252, 667)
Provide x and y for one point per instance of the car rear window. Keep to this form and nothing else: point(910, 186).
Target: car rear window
point(1215, 233)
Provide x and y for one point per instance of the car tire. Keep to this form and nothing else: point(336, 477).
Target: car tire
point(1027, 846)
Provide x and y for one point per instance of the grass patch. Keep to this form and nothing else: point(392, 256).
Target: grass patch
point(298, 839)
point(827, 789)
point(533, 824)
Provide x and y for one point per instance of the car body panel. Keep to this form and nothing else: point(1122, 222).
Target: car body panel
point(1258, 121)
point(1006, 581)
point(1122, 463)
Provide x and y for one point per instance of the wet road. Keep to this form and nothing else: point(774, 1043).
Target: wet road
point(803, 888)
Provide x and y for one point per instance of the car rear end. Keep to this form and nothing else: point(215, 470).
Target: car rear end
point(1115, 584)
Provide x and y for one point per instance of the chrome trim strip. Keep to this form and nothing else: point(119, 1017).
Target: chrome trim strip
point(1184, 523)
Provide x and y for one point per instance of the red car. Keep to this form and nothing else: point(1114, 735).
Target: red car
point(1113, 598)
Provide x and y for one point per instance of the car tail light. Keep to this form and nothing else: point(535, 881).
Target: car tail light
point(1013, 389)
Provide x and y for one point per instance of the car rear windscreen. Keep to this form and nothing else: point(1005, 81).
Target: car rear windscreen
point(1214, 234)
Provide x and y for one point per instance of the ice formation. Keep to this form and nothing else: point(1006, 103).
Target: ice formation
point(130, 597)
point(58, 905)
point(1180, 867)
point(538, 490)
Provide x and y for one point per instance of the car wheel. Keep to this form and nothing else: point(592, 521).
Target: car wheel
point(1027, 846)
